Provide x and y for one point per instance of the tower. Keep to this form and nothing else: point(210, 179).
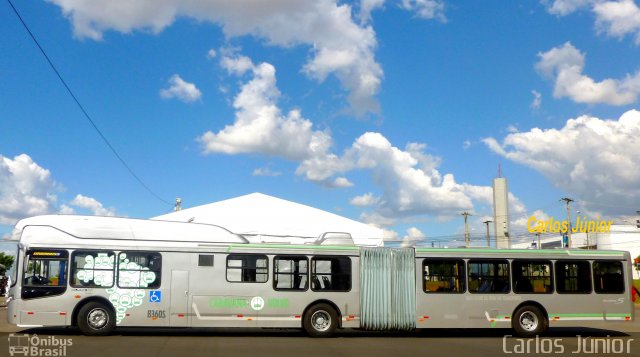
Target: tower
point(501, 211)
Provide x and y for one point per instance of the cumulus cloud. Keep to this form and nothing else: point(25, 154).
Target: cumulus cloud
point(413, 236)
point(409, 179)
point(595, 159)
point(260, 126)
point(212, 53)
point(180, 89)
point(26, 189)
point(368, 199)
point(564, 66)
point(339, 46)
point(94, 206)
point(614, 18)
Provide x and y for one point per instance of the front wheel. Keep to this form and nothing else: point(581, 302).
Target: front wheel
point(529, 321)
point(321, 321)
point(96, 319)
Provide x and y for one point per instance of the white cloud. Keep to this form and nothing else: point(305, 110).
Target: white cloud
point(565, 7)
point(260, 126)
point(26, 189)
point(367, 6)
point(212, 53)
point(427, 9)
point(512, 128)
point(564, 65)
point(615, 18)
point(466, 144)
point(520, 224)
point(537, 99)
point(265, 171)
point(368, 199)
point(236, 64)
point(338, 45)
point(595, 159)
point(618, 18)
point(341, 182)
point(413, 236)
point(409, 180)
point(185, 91)
point(94, 206)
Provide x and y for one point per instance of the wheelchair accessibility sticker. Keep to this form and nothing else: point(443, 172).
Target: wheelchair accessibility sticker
point(155, 296)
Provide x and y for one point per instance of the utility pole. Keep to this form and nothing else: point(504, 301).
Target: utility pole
point(538, 235)
point(488, 237)
point(466, 227)
point(567, 200)
point(178, 205)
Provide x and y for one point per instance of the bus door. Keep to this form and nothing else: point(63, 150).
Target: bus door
point(179, 309)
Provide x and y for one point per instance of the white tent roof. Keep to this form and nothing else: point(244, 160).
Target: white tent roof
point(263, 218)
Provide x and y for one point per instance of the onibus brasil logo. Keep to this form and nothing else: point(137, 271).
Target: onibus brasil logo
point(34, 345)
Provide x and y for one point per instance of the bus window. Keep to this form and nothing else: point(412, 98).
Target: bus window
point(608, 277)
point(532, 276)
point(330, 273)
point(573, 276)
point(443, 276)
point(92, 269)
point(247, 268)
point(290, 273)
point(139, 270)
point(205, 260)
point(488, 276)
point(45, 273)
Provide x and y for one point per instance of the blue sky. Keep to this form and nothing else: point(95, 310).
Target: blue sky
point(396, 113)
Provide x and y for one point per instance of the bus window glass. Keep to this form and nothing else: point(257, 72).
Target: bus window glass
point(532, 277)
point(46, 268)
point(573, 277)
point(488, 276)
point(92, 269)
point(247, 268)
point(290, 273)
point(608, 277)
point(443, 276)
point(331, 274)
point(205, 260)
point(139, 270)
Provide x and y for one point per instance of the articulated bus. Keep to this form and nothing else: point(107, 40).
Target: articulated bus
point(100, 273)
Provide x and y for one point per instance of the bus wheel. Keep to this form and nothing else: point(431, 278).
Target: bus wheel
point(529, 321)
point(321, 321)
point(96, 319)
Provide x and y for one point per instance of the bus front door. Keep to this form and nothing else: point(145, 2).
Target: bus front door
point(179, 298)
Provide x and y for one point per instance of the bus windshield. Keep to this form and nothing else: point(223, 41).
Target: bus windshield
point(46, 268)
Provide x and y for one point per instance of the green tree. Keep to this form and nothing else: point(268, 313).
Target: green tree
point(7, 261)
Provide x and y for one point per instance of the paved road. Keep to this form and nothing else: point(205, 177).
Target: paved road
point(218, 342)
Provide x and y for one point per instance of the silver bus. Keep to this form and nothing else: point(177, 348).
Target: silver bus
point(99, 273)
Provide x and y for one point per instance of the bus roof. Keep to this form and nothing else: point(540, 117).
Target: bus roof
point(117, 228)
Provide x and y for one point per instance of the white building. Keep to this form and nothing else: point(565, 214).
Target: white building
point(266, 219)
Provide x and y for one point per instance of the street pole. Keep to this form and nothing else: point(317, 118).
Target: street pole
point(567, 200)
point(488, 237)
point(466, 228)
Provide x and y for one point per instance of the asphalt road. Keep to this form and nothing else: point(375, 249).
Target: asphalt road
point(140, 342)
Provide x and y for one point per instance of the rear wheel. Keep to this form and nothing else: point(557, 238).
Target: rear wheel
point(529, 321)
point(96, 319)
point(321, 320)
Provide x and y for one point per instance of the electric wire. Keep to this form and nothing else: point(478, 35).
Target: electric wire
point(86, 114)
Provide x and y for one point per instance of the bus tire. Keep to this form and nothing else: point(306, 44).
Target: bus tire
point(529, 321)
point(321, 320)
point(96, 319)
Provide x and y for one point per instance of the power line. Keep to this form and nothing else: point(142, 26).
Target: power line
point(93, 124)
